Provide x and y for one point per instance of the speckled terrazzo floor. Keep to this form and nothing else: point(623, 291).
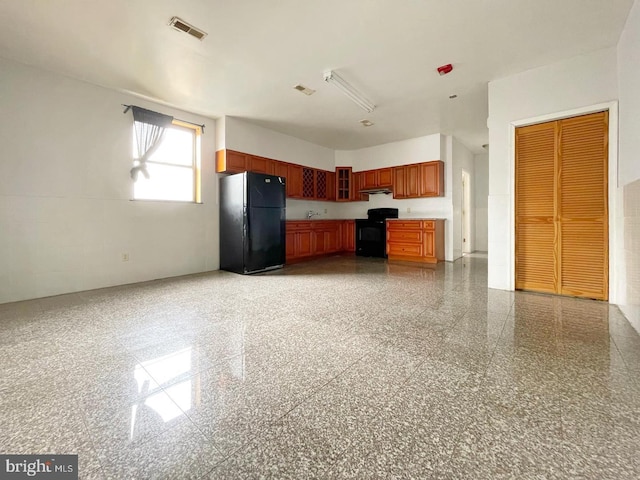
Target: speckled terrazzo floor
point(339, 368)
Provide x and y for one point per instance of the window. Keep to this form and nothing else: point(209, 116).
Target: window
point(174, 168)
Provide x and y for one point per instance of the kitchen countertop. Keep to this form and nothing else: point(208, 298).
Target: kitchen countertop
point(413, 218)
point(318, 219)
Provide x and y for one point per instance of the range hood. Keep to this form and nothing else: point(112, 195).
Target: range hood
point(373, 191)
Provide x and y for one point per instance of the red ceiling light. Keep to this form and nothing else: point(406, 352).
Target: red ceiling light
point(444, 69)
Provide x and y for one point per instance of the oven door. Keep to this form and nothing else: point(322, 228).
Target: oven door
point(371, 238)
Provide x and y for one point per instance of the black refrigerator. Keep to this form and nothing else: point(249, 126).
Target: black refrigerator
point(252, 222)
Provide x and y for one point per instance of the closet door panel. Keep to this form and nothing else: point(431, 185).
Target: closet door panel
point(536, 260)
point(535, 208)
point(582, 207)
point(583, 269)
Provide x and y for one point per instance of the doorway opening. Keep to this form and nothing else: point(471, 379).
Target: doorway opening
point(466, 213)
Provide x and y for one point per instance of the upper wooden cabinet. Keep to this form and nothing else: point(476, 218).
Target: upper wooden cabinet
point(405, 181)
point(281, 169)
point(228, 161)
point(385, 177)
point(419, 180)
point(260, 165)
point(331, 186)
point(370, 178)
point(399, 182)
point(431, 182)
point(381, 177)
point(359, 179)
point(321, 185)
point(308, 183)
point(294, 181)
point(343, 185)
point(344, 180)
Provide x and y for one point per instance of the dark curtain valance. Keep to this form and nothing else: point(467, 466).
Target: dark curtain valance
point(150, 117)
point(149, 128)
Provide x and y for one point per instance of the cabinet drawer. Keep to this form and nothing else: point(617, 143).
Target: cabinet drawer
point(297, 226)
point(429, 224)
point(404, 236)
point(404, 249)
point(399, 225)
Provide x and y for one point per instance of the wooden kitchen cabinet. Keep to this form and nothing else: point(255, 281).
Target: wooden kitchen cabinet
point(308, 183)
point(431, 182)
point(349, 235)
point(280, 169)
point(310, 238)
point(290, 244)
point(381, 177)
point(303, 244)
point(359, 179)
point(420, 241)
point(399, 182)
point(299, 242)
point(406, 181)
point(321, 185)
point(294, 181)
point(418, 180)
point(326, 235)
point(228, 161)
point(260, 165)
point(412, 179)
point(344, 179)
point(370, 179)
point(331, 186)
point(385, 177)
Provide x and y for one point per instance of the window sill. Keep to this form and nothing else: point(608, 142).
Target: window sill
point(165, 201)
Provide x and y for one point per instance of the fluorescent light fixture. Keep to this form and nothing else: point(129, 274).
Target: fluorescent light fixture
point(333, 78)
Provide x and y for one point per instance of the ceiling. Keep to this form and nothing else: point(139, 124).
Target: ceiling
point(257, 50)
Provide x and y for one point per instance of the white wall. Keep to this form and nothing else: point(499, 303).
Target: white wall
point(462, 160)
point(629, 168)
point(414, 150)
point(481, 186)
point(249, 138)
point(578, 82)
point(66, 214)
point(628, 81)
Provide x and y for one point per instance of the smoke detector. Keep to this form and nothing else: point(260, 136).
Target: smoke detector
point(366, 123)
point(444, 69)
point(183, 26)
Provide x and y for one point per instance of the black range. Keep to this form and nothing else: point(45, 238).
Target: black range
point(371, 234)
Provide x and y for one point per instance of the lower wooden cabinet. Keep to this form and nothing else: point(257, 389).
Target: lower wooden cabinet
point(349, 235)
point(311, 238)
point(419, 241)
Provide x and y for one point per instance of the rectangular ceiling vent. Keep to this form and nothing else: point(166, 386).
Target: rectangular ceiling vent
point(305, 90)
point(183, 26)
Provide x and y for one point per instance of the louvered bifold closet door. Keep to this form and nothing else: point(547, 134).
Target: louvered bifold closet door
point(582, 206)
point(536, 253)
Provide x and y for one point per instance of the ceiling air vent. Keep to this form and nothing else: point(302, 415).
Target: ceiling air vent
point(183, 26)
point(305, 90)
